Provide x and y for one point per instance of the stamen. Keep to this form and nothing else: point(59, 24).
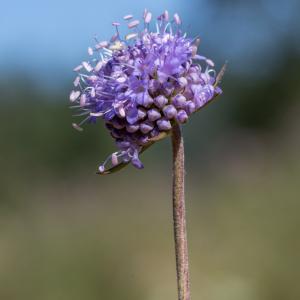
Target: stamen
point(114, 159)
point(121, 112)
point(114, 38)
point(93, 78)
point(90, 51)
point(102, 45)
point(93, 92)
point(116, 46)
point(82, 99)
point(145, 12)
point(75, 126)
point(96, 114)
point(101, 169)
point(116, 24)
point(157, 28)
point(128, 17)
point(199, 57)
point(84, 113)
point(197, 42)
point(130, 36)
point(78, 68)
point(78, 106)
point(109, 158)
point(166, 15)
point(99, 66)
point(133, 24)
point(121, 79)
point(76, 81)
point(166, 27)
point(182, 82)
point(210, 62)
point(108, 51)
point(148, 17)
point(87, 66)
point(194, 50)
point(177, 19)
point(74, 95)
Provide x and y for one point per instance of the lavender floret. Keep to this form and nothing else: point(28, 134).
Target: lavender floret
point(170, 112)
point(182, 117)
point(153, 114)
point(164, 125)
point(160, 101)
point(142, 84)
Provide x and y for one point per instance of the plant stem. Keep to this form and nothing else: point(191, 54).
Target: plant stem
point(181, 249)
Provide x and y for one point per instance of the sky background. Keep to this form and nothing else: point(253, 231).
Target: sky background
point(46, 39)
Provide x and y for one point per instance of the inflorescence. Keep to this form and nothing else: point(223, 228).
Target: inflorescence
point(142, 84)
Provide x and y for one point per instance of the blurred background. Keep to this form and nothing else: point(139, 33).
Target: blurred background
point(66, 233)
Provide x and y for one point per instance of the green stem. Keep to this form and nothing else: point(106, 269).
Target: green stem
point(181, 249)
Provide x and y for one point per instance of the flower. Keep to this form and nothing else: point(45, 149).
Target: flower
point(142, 84)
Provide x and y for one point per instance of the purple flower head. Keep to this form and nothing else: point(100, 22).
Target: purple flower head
point(140, 85)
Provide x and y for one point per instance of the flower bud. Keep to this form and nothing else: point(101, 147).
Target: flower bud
point(179, 101)
point(153, 114)
point(164, 124)
point(146, 127)
point(160, 101)
point(170, 111)
point(182, 117)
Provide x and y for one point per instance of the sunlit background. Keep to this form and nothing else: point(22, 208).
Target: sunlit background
point(68, 234)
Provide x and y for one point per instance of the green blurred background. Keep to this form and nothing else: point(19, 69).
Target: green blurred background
point(68, 234)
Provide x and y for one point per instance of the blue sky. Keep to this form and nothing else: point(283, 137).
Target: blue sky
point(47, 38)
point(35, 33)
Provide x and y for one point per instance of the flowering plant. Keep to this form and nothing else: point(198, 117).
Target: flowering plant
point(144, 86)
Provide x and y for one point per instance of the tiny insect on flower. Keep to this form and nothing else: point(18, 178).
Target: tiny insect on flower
point(142, 85)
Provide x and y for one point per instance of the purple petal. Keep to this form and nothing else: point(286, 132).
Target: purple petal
point(131, 114)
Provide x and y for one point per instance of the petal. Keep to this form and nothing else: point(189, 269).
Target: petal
point(131, 114)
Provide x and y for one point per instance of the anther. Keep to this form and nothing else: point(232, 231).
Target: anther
point(96, 114)
point(82, 99)
point(78, 68)
point(148, 17)
point(177, 19)
point(74, 95)
point(90, 51)
point(128, 17)
point(101, 45)
point(101, 169)
point(130, 36)
point(87, 66)
point(114, 159)
point(133, 24)
point(76, 81)
point(166, 15)
point(99, 66)
point(210, 62)
point(77, 127)
point(93, 92)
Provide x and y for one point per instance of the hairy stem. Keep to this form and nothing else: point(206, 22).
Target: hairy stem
point(181, 249)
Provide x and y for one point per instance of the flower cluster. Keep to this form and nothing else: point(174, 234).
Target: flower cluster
point(142, 84)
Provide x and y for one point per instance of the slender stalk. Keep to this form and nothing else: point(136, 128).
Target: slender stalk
point(181, 249)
